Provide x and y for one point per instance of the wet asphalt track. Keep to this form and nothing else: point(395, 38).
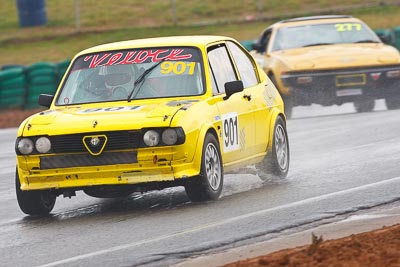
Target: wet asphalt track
point(341, 162)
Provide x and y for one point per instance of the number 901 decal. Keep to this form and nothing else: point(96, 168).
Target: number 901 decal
point(230, 126)
point(178, 67)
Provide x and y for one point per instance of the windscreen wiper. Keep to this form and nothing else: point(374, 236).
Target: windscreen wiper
point(316, 44)
point(367, 41)
point(141, 79)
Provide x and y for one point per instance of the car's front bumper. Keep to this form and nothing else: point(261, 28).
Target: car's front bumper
point(77, 171)
point(339, 86)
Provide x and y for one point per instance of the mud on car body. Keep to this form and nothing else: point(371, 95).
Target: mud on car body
point(149, 114)
point(329, 60)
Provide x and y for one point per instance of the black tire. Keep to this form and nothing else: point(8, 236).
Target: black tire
point(392, 102)
point(34, 202)
point(275, 164)
point(365, 104)
point(208, 185)
point(288, 106)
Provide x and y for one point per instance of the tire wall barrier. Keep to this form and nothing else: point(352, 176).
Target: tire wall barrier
point(21, 86)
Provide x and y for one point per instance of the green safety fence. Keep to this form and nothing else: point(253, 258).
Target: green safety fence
point(13, 84)
point(42, 79)
point(248, 44)
point(21, 86)
point(396, 37)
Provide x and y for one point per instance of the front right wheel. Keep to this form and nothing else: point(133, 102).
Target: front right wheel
point(275, 164)
point(36, 202)
point(288, 106)
point(208, 185)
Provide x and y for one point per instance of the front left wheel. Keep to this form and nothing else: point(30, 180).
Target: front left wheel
point(37, 202)
point(392, 102)
point(208, 185)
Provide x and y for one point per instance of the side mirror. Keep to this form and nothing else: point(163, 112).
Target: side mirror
point(385, 36)
point(258, 47)
point(232, 88)
point(387, 39)
point(45, 100)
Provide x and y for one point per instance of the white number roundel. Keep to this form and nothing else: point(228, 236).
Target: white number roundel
point(230, 126)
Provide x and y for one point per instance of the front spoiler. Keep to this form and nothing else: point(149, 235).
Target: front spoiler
point(78, 178)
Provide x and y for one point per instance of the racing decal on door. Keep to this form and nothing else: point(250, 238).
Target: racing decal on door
point(230, 131)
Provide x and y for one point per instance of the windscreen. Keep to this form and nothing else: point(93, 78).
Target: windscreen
point(133, 74)
point(320, 34)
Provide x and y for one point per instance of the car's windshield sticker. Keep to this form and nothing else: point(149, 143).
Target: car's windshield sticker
point(178, 67)
point(343, 27)
point(109, 109)
point(132, 57)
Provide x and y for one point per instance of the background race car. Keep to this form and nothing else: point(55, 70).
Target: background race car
point(329, 60)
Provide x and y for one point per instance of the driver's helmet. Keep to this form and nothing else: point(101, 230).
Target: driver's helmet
point(118, 75)
point(118, 78)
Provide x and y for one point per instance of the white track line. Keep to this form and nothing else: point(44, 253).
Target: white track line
point(222, 222)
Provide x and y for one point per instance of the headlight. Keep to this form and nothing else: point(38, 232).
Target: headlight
point(169, 137)
point(43, 145)
point(25, 146)
point(151, 138)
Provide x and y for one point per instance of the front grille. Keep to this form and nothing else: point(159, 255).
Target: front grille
point(85, 160)
point(73, 143)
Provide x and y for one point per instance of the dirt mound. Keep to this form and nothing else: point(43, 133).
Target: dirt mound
point(376, 248)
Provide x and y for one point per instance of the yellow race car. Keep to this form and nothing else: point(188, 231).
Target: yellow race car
point(329, 60)
point(149, 114)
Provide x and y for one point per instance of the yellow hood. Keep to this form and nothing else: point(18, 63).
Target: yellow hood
point(338, 56)
point(108, 117)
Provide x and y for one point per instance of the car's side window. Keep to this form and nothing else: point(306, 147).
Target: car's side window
point(221, 67)
point(213, 82)
point(244, 64)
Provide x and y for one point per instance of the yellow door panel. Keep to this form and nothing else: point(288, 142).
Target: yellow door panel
point(237, 119)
